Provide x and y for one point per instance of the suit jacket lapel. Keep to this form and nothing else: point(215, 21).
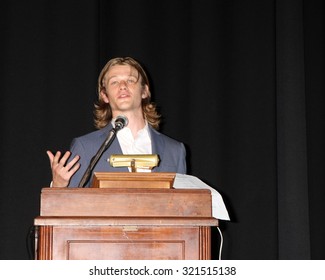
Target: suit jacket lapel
point(157, 145)
point(115, 148)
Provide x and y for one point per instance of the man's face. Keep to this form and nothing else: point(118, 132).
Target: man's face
point(124, 91)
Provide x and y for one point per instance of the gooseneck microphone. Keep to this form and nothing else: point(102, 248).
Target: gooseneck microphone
point(119, 123)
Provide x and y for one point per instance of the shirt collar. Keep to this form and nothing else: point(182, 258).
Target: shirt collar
point(144, 129)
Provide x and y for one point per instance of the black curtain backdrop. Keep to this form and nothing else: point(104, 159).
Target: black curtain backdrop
point(240, 83)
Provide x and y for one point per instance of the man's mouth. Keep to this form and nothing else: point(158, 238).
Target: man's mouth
point(123, 95)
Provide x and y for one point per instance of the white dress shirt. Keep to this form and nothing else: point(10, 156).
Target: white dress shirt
point(139, 145)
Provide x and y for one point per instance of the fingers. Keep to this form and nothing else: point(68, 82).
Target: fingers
point(74, 169)
point(65, 157)
point(62, 170)
point(51, 156)
point(72, 162)
point(56, 158)
point(58, 162)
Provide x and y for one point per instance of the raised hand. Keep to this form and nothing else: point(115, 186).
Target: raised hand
point(61, 170)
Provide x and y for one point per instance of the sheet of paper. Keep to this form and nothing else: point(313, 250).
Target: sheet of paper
point(219, 210)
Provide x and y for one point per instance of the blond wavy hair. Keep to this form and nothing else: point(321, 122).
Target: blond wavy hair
point(103, 111)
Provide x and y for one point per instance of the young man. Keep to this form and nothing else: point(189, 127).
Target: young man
point(123, 89)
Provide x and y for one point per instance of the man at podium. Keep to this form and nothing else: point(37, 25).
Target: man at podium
point(123, 91)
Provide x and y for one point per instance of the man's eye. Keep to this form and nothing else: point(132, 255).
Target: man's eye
point(132, 81)
point(114, 83)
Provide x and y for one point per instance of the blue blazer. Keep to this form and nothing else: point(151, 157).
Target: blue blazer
point(171, 153)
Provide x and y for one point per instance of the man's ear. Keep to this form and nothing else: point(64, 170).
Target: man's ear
point(145, 92)
point(104, 95)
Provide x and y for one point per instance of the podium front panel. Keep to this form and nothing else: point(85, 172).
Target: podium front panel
point(118, 243)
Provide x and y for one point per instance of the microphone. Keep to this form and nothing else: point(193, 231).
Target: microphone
point(120, 122)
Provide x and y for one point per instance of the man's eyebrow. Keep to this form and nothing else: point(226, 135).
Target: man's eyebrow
point(137, 76)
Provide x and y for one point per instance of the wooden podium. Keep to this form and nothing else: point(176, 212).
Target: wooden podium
point(124, 224)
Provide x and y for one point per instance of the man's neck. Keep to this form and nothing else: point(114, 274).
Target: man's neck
point(135, 123)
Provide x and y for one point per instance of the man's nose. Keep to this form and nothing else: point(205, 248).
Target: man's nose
point(123, 84)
